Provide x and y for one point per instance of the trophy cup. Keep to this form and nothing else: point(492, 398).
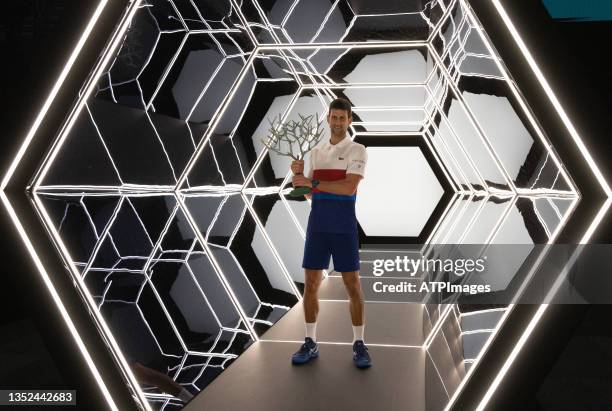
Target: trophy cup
point(304, 135)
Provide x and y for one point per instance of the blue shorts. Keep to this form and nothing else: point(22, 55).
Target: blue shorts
point(343, 247)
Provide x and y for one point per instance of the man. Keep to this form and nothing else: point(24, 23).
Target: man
point(336, 168)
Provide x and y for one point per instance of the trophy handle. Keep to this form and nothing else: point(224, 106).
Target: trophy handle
point(299, 191)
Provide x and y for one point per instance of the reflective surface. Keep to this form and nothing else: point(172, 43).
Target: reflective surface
point(174, 218)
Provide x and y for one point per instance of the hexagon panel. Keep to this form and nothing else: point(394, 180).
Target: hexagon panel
point(410, 177)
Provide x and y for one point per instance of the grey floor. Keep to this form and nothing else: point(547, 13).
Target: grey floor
point(401, 377)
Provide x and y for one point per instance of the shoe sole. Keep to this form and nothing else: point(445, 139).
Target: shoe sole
point(368, 365)
point(299, 362)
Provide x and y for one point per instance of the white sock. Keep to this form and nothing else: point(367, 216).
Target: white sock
point(357, 332)
point(311, 330)
point(185, 396)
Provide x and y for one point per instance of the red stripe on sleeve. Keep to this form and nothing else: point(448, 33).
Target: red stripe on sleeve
point(328, 174)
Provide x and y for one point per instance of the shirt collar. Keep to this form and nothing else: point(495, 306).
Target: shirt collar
point(346, 140)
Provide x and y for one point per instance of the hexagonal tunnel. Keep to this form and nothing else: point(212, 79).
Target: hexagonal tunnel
point(175, 220)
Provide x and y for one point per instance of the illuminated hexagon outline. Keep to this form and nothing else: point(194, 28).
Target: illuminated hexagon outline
point(438, 172)
point(114, 42)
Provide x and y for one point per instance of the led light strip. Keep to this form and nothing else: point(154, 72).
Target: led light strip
point(92, 80)
point(96, 315)
point(226, 285)
point(590, 230)
point(275, 253)
point(473, 121)
point(58, 302)
point(516, 93)
point(6, 180)
point(450, 127)
point(54, 91)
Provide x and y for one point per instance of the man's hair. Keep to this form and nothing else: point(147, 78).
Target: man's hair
point(341, 104)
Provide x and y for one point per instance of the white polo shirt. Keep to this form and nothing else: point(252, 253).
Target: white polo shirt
point(330, 212)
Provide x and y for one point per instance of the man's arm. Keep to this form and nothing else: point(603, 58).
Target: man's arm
point(346, 186)
point(297, 167)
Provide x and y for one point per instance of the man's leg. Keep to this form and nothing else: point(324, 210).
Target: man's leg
point(310, 302)
point(361, 358)
point(311, 294)
point(353, 288)
point(316, 257)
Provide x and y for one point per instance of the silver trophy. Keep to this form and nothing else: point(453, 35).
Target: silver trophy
point(294, 139)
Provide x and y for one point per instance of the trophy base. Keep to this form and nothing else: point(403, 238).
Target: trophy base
point(299, 191)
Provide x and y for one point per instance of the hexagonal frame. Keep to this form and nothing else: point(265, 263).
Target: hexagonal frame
point(572, 131)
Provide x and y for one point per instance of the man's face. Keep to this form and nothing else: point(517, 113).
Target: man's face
point(338, 121)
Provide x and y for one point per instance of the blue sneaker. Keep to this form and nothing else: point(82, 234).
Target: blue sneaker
point(361, 358)
point(307, 351)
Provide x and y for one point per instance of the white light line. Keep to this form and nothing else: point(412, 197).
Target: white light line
point(440, 221)
point(271, 245)
point(133, 190)
point(226, 285)
point(357, 45)
point(440, 23)
point(342, 343)
point(538, 215)
point(499, 223)
point(236, 8)
point(54, 91)
point(524, 107)
point(284, 21)
point(437, 326)
point(456, 138)
point(456, 171)
point(167, 71)
point(93, 80)
point(478, 331)
point(96, 315)
point(444, 222)
point(103, 236)
point(292, 215)
point(110, 157)
point(473, 220)
point(474, 122)
point(456, 221)
point(327, 16)
point(216, 119)
point(439, 375)
point(205, 88)
point(485, 311)
point(590, 230)
point(510, 308)
point(58, 302)
point(445, 168)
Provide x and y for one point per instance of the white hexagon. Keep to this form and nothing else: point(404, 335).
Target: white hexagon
point(400, 182)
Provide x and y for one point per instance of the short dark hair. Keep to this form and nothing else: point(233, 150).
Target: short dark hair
point(341, 104)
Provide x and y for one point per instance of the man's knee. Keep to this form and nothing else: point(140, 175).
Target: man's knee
point(311, 288)
point(312, 281)
point(353, 286)
point(355, 293)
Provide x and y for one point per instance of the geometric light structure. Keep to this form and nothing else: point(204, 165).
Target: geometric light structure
point(173, 218)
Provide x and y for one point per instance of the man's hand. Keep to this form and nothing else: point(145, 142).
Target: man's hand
point(297, 167)
point(301, 181)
